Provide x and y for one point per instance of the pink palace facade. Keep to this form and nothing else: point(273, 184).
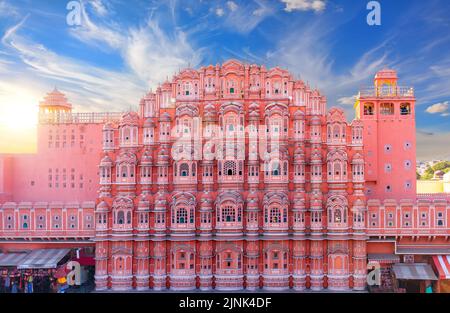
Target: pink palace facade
point(228, 177)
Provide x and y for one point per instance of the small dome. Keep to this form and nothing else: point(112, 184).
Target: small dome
point(299, 114)
point(253, 106)
point(102, 206)
point(162, 155)
point(147, 157)
point(144, 202)
point(129, 119)
point(108, 126)
point(165, 117)
point(106, 161)
point(55, 99)
point(149, 123)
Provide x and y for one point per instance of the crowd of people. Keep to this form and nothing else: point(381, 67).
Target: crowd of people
point(28, 281)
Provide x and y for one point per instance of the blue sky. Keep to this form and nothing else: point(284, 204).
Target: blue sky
point(122, 48)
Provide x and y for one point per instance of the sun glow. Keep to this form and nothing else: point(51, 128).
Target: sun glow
point(18, 121)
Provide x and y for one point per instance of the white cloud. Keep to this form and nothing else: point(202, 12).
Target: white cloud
point(153, 54)
point(149, 54)
point(98, 35)
point(441, 107)
point(232, 6)
point(308, 54)
point(220, 12)
point(304, 5)
point(347, 100)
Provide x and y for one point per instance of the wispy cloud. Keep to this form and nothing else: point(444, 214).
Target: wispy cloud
point(433, 145)
point(220, 12)
point(232, 6)
point(153, 54)
point(149, 53)
point(304, 5)
point(248, 16)
point(347, 100)
point(6, 9)
point(100, 6)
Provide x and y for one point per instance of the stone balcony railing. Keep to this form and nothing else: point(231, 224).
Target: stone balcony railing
point(387, 91)
point(72, 118)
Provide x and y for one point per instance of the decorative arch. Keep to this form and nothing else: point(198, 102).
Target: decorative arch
point(183, 208)
point(276, 206)
point(229, 207)
point(337, 210)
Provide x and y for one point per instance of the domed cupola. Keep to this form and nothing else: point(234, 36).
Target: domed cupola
point(163, 156)
point(129, 119)
point(144, 203)
point(106, 161)
point(147, 158)
point(102, 207)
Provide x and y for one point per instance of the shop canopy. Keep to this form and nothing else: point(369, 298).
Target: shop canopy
point(414, 271)
point(384, 258)
point(442, 263)
point(11, 259)
point(43, 258)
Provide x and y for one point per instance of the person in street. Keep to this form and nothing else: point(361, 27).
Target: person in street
point(30, 284)
point(7, 283)
point(14, 287)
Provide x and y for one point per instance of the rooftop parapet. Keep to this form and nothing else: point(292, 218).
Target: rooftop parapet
point(75, 118)
point(386, 92)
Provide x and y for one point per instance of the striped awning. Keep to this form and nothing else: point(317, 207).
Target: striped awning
point(414, 271)
point(442, 263)
point(11, 259)
point(43, 258)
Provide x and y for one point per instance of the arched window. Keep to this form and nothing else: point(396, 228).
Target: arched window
point(120, 219)
point(275, 169)
point(124, 171)
point(229, 168)
point(405, 109)
point(184, 169)
point(275, 215)
point(182, 216)
point(337, 216)
point(387, 109)
point(228, 213)
point(369, 109)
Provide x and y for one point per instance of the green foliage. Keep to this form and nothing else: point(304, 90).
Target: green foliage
point(429, 172)
point(441, 166)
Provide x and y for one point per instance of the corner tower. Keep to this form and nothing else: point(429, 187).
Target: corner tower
point(387, 112)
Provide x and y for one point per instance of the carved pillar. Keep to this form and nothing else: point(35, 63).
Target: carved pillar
point(204, 264)
point(159, 265)
point(299, 261)
point(316, 265)
point(141, 259)
point(101, 265)
point(359, 265)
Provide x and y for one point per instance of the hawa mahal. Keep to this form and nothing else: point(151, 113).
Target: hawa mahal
point(228, 177)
